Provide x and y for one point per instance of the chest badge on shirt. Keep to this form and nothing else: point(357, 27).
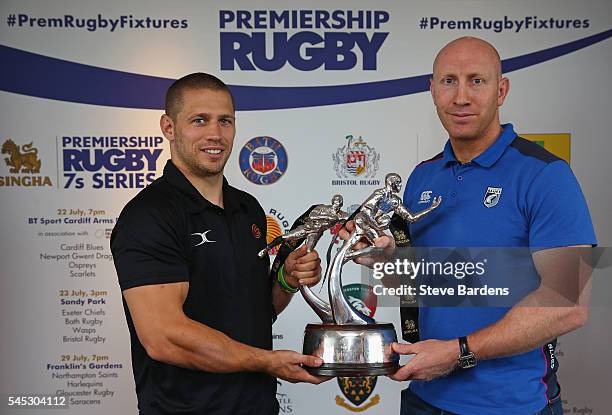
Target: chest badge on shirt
point(425, 197)
point(492, 196)
point(255, 230)
point(203, 238)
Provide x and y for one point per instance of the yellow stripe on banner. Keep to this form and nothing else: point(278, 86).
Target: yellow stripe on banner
point(558, 144)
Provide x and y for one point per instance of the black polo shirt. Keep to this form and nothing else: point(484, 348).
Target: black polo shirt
point(169, 233)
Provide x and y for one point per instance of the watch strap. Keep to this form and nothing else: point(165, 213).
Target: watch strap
point(463, 346)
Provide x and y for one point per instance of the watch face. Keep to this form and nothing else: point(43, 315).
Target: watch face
point(467, 361)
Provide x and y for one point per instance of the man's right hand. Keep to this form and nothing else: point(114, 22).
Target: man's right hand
point(385, 243)
point(287, 365)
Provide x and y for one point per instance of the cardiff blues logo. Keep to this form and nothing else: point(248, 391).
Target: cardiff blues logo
point(263, 160)
point(356, 159)
point(492, 196)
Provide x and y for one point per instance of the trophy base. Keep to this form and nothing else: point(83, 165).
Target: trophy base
point(350, 370)
point(351, 349)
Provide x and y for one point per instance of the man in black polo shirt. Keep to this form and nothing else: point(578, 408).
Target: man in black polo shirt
point(199, 302)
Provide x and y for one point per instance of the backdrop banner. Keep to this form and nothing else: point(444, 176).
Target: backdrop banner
point(330, 97)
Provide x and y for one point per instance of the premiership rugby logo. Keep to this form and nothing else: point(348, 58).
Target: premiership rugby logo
point(24, 164)
point(263, 160)
point(492, 196)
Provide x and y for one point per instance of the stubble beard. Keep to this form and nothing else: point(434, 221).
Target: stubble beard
point(195, 167)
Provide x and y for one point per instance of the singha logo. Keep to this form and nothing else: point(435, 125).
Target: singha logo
point(25, 166)
point(21, 161)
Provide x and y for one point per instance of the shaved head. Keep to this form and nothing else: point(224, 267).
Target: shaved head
point(468, 46)
point(468, 88)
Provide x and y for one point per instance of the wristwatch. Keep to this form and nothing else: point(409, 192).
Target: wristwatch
point(466, 359)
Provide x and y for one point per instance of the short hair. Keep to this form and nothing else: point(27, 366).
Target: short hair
point(197, 80)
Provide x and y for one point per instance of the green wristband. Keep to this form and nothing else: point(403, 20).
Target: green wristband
point(284, 284)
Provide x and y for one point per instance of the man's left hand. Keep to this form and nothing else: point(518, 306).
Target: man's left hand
point(432, 359)
point(302, 268)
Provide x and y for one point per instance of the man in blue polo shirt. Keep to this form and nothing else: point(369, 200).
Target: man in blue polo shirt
point(498, 190)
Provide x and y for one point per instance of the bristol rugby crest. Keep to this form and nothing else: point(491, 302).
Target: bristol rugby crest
point(492, 195)
point(263, 160)
point(356, 159)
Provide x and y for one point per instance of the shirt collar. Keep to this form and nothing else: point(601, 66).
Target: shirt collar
point(491, 154)
point(197, 202)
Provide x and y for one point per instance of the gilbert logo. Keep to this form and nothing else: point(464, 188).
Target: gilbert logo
point(203, 237)
point(24, 165)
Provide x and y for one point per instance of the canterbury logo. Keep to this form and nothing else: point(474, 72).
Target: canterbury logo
point(203, 236)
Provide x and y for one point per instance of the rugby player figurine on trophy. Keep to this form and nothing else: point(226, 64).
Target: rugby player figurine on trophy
point(351, 343)
point(319, 219)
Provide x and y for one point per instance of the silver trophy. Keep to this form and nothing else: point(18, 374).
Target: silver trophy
point(349, 342)
point(320, 219)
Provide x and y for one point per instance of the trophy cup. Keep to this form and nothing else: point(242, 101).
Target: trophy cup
point(349, 342)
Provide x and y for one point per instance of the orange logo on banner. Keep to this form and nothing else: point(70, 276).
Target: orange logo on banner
point(274, 231)
point(558, 144)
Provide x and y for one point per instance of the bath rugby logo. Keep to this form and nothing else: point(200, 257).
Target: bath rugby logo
point(24, 166)
point(356, 159)
point(276, 225)
point(263, 160)
point(491, 197)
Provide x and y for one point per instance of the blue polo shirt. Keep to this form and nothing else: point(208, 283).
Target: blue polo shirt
point(515, 194)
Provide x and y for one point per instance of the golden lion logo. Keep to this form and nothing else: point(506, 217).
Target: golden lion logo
point(21, 162)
